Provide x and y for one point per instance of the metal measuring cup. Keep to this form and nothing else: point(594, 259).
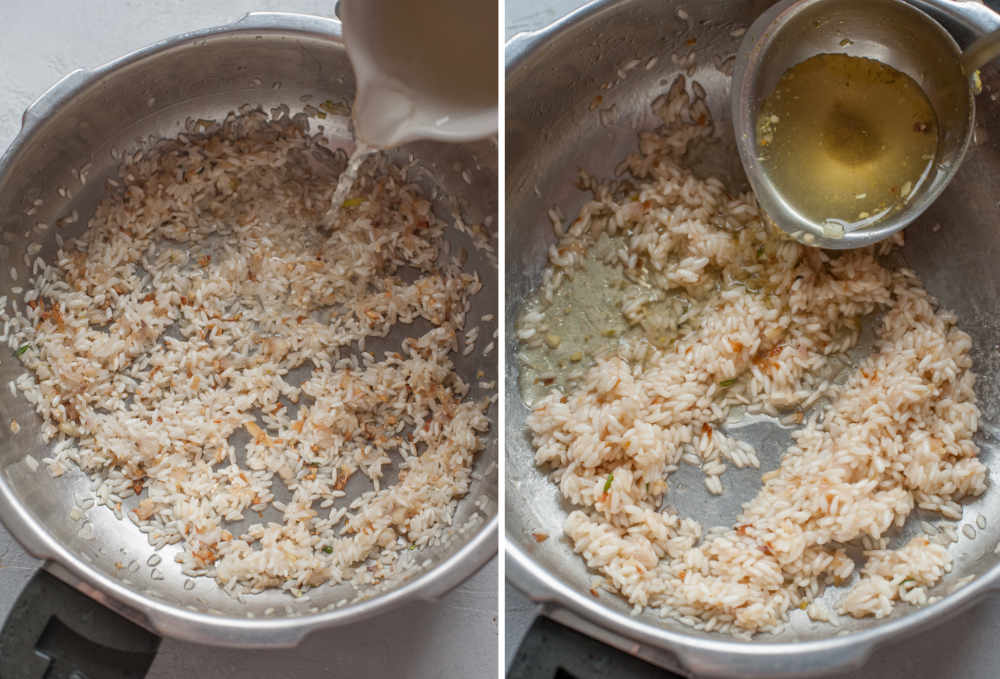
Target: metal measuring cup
point(890, 31)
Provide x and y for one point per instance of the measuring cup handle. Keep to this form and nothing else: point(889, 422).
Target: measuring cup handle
point(981, 52)
point(56, 631)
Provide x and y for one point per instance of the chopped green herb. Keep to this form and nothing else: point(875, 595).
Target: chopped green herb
point(328, 549)
point(23, 349)
point(338, 109)
point(760, 252)
point(727, 383)
point(412, 547)
point(353, 202)
point(607, 484)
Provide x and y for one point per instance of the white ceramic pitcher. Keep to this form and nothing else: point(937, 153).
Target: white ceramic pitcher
point(425, 70)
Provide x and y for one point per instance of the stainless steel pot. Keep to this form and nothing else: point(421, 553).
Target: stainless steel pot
point(553, 78)
point(90, 118)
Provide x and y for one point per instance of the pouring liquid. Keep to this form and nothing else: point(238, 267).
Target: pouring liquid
point(846, 140)
point(422, 68)
point(347, 178)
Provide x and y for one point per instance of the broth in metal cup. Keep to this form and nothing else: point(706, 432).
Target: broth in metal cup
point(887, 41)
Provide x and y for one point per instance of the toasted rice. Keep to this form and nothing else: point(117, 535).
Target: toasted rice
point(207, 306)
point(773, 322)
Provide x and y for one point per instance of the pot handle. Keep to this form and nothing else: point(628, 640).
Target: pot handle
point(56, 631)
point(523, 42)
point(553, 650)
point(757, 662)
point(651, 654)
point(284, 21)
point(53, 98)
point(535, 590)
point(976, 16)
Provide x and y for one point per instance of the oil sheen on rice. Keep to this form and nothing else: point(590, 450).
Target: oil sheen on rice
point(846, 140)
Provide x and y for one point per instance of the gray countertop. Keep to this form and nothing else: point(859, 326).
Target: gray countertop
point(453, 637)
point(964, 647)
